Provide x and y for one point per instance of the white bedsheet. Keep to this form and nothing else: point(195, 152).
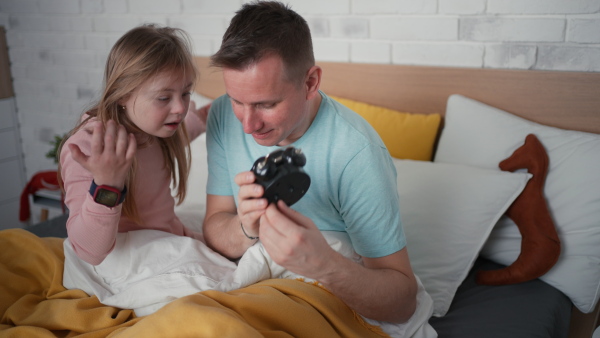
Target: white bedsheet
point(149, 268)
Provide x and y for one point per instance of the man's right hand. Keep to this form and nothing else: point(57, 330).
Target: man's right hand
point(251, 205)
point(221, 226)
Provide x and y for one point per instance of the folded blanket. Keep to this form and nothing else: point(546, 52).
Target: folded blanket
point(33, 302)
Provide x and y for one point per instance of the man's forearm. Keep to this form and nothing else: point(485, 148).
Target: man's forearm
point(223, 234)
point(380, 294)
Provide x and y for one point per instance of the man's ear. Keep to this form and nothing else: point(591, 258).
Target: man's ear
point(313, 81)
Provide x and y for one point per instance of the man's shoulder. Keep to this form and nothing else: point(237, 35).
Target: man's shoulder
point(220, 115)
point(221, 102)
point(354, 125)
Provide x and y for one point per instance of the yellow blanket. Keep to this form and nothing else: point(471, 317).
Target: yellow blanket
point(33, 303)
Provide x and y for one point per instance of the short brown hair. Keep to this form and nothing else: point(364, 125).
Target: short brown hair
point(262, 28)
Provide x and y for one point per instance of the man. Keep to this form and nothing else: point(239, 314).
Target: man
point(273, 101)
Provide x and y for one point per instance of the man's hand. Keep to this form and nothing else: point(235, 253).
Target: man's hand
point(221, 225)
point(383, 289)
point(250, 204)
point(112, 152)
point(294, 241)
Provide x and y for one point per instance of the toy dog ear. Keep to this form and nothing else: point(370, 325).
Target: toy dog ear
point(540, 245)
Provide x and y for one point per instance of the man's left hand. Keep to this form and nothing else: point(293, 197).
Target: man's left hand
point(294, 241)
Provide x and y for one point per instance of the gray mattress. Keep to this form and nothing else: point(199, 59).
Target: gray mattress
point(526, 310)
point(55, 227)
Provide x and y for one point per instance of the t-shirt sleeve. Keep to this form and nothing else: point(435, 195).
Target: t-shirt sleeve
point(218, 171)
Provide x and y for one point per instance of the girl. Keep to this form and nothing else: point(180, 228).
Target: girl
point(118, 164)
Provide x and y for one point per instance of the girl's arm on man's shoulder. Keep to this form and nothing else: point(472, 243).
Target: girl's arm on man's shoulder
point(195, 120)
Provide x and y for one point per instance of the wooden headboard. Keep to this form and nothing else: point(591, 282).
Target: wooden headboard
point(569, 100)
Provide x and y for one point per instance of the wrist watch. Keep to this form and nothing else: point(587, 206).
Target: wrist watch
point(106, 195)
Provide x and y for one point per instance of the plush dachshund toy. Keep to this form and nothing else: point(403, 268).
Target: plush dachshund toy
point(540, 245)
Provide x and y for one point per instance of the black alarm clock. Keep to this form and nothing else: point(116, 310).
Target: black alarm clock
point(281, 175)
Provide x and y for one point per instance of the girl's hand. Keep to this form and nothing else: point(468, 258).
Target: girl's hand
point(250, 204)
point(202, 113)
point(112, 153)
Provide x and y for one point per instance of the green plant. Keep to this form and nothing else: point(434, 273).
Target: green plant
point(53, 153)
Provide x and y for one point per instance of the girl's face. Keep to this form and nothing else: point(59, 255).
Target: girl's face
point(159, 105)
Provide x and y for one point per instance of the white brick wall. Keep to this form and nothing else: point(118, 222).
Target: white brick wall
point(511, 29)
point(394, 6)
point(58, 47)
point(543, 6)
point(584, 30)
point(320, 7)
point(464, 7)
point(449, 54)
point(414, 28)
point(370, 52)
point(509, 56)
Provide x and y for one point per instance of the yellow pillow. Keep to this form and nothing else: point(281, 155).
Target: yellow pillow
point(407, 136)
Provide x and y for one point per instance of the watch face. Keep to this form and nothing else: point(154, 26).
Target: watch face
point(106, 197)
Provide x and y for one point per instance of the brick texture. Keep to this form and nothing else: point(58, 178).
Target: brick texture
point(58, 48)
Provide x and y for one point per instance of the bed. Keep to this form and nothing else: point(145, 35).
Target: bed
point(448, 129)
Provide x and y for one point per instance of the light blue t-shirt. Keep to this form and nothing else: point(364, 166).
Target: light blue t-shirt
point(353, 180)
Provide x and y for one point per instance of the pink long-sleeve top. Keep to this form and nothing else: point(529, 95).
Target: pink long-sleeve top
point(92, 227)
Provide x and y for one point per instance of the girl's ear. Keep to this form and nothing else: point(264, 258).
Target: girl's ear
point(313, 81)
point(123, 101)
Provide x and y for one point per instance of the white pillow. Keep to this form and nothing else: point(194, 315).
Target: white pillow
point(448, 211)
point(479, 135)
point(191, 212)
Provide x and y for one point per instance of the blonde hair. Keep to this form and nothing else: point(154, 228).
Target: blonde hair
point(137, 56)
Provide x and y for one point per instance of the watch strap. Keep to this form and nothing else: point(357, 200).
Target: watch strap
point(94, 187)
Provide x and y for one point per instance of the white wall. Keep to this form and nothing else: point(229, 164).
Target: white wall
point(58, 47)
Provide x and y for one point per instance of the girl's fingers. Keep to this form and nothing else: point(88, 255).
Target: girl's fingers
point(78, 155)
point(131, 147)
point(122, 141)
point(203, 112)
point(110, 136)
point(97, 139)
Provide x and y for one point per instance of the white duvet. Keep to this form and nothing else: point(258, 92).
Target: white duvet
point(149, 268)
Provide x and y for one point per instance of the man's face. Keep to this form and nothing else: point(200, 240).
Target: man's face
point(272, 109)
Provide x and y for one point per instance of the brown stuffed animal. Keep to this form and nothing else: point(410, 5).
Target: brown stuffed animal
point(540, 245)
